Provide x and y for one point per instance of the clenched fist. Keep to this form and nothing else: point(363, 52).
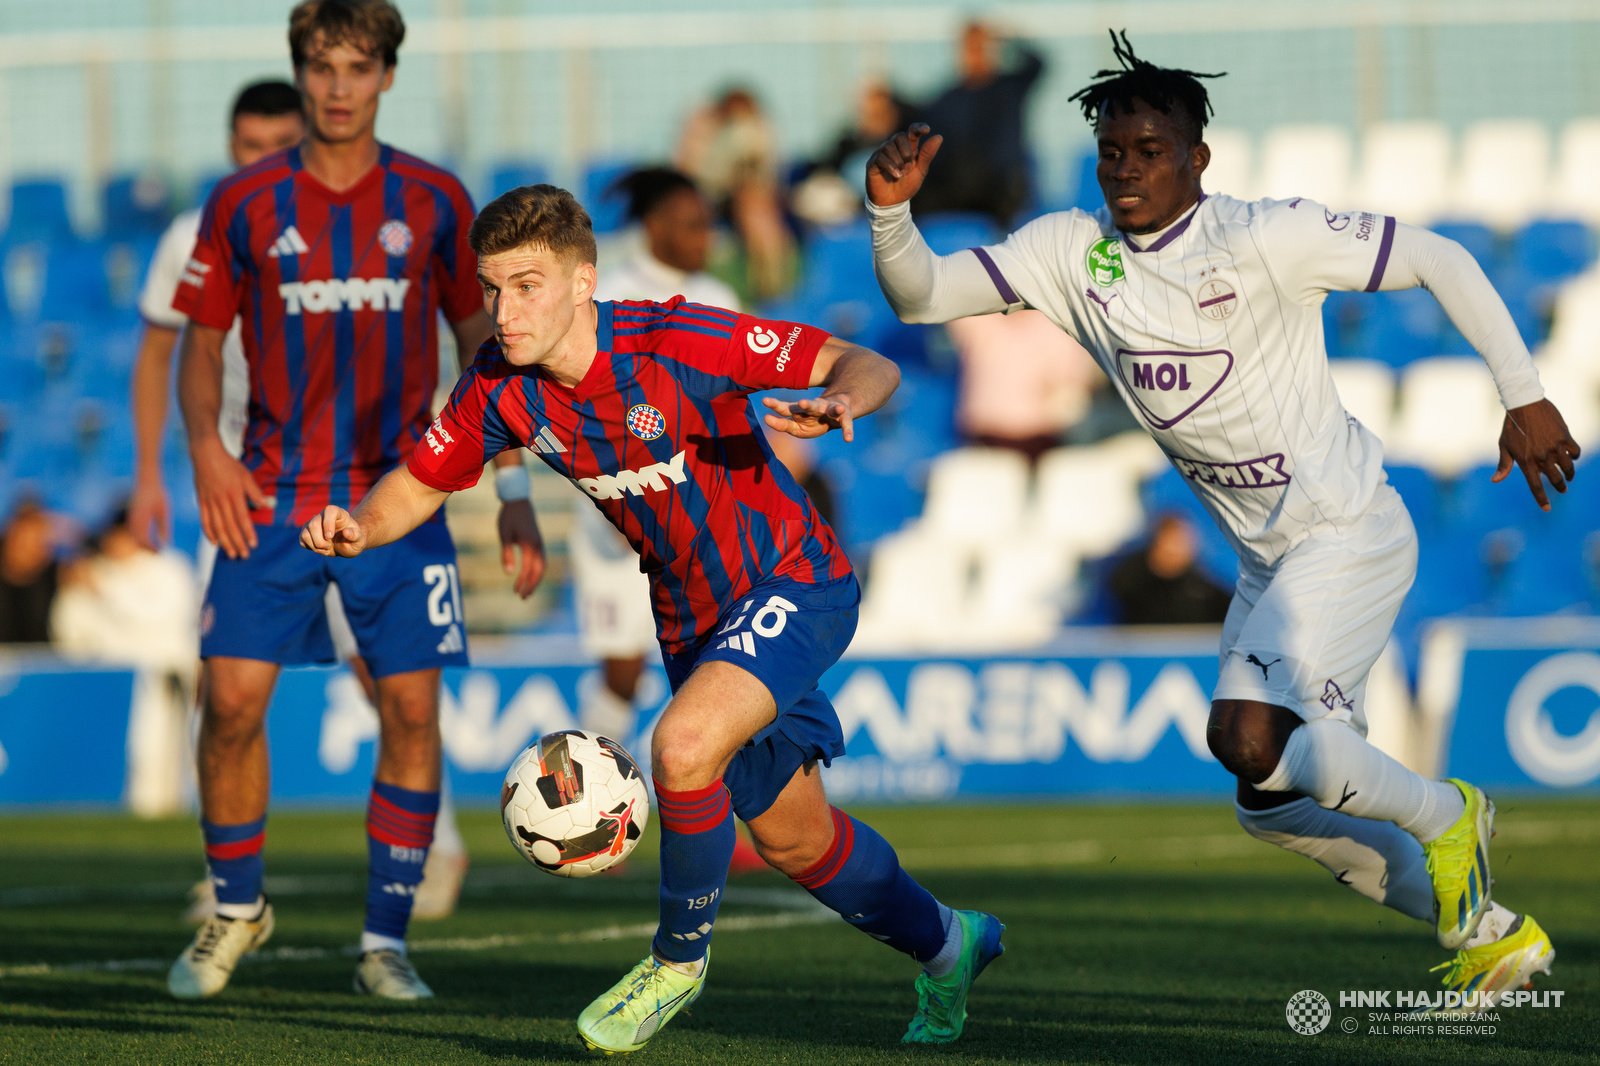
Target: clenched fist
point(334, 532)
point(897, 169)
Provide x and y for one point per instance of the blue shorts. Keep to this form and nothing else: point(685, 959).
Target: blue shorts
point(786, 634)
point(403, 602)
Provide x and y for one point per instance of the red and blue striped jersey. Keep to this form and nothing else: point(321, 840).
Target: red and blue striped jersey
point(338, 296)
point(661, 435)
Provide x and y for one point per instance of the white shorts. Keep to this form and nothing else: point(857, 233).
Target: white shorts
point(615, 619)
point(344, 638)
point(1304, 634)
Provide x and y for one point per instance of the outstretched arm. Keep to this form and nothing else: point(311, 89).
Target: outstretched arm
point(855, 382)
point(919, 285)
point(396, 505)
point(1534, 436)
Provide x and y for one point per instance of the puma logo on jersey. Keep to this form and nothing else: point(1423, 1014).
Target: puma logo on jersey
point(654, 477)
point(289, 242)
point(1253, 661)
point(344, 294)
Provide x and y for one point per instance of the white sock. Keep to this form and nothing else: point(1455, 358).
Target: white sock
point(1334, 765)
point(446, 834)
point(1497, 922)
point(248, 911)
point(606, 713)
point(1377, 859)
point(950, 954)
point(379, 942)
point(693, 968)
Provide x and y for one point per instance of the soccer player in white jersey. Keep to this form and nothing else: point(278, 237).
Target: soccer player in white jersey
point(1205, 311)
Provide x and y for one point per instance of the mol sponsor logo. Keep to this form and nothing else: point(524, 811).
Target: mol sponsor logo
point(1167, 386)
point(654, 477)
point(344, 294)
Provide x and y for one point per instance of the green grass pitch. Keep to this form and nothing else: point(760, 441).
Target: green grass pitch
point(1136, 934)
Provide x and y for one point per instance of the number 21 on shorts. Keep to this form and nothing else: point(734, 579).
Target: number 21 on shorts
point(444, 594)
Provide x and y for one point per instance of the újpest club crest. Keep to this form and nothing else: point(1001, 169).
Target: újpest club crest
point(1104, 261)
point(645, 422)
point(395, 236)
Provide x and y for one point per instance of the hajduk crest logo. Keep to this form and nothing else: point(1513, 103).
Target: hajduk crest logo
point(1104, 261)
point(395, 236)
point(645, 422)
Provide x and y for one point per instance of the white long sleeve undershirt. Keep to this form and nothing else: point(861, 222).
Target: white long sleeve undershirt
point(926, 288)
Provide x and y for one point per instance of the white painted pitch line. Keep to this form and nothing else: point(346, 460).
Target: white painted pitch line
point(813, 914)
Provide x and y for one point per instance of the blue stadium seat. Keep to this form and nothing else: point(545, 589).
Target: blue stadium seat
point(607, 210)
point(955, 231)
point(1085, 192)
point(508, 176)
point(1420, 493)
point(1550, 251)
point(1342, 319)
point(136, 206)
point(75, 281)
point(38, 212)
point(1476, 238)
point(1399, 327)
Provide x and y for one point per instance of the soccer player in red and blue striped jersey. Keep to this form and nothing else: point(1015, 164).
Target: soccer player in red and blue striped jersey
point(337, 256)
point(645, 407)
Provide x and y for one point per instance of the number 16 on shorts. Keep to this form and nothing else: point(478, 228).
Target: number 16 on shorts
point(768, 621)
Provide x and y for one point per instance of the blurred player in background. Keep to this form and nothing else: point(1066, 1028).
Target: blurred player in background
point(614, 618)
point(336, 256)
point(646, 406)
point(1205, 311)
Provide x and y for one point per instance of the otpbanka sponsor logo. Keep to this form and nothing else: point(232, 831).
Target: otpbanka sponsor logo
point(1438, 1013)
point(763, 340)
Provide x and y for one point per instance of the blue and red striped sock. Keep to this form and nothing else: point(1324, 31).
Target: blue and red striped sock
point(860, 877)
point(697, 838)
point(233, 858)
point(399, 830)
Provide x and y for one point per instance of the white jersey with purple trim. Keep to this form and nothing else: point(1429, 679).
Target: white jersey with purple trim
point(155, 307)
point(1212, 333)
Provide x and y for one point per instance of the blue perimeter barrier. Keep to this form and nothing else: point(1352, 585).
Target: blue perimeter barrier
point(1098, 713)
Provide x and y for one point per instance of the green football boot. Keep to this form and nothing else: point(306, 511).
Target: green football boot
point(942, 1001)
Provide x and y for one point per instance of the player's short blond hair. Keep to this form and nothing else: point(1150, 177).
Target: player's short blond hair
point(371, 26)
point(537, 216)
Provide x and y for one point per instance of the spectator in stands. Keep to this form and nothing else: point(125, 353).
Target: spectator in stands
point(1024, 383)
point(677, 224)
point(125, 604)
point(983, 164)
point(833, 187)
point(1160, 584)
point(730, 150)
point(28, 575)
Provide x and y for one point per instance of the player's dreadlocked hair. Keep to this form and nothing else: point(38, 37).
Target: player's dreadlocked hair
point(1169, 90)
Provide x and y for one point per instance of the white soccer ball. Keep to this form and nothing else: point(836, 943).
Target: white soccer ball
point(574, 803)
